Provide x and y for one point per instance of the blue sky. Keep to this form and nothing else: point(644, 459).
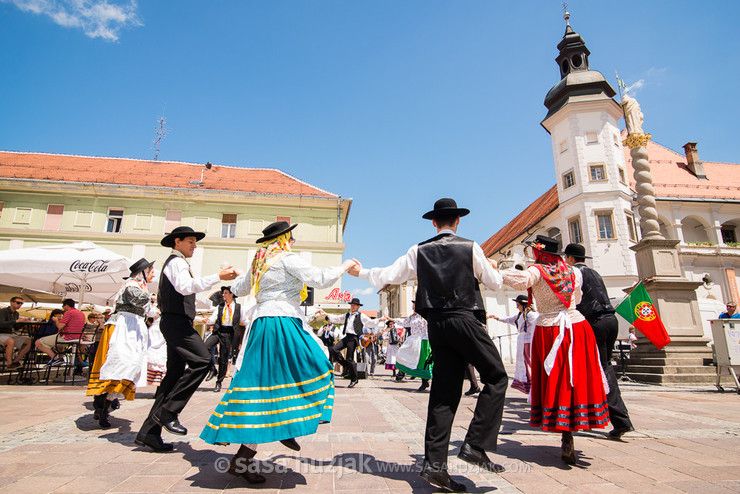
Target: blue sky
point(391, 103)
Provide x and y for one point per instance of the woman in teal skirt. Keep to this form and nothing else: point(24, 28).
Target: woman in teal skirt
point(284, 383)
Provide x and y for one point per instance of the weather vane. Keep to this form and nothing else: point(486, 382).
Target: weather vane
point(566, 14)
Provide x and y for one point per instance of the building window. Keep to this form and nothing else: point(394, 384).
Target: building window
point(143, 222)
point(592, 138)
point(554, 233)
point(728, 234)
point(569, 180)
point(22, 216)
point(563, 146)
point(283, 218)
point(605, 225)
point(597, 173)
point(622, 175)
point(228, 225)
point(115, 218)
point(631, 230)
point(574, 227)
point(83, 218)
point(53, 219)
point(172, 220)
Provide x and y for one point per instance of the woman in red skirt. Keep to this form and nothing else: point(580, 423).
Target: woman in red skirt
point(568, 384)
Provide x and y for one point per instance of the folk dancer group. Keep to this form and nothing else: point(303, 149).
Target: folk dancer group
point(283, 386)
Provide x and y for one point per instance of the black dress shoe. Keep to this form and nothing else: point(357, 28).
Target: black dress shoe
point(291, 444)
point(617, 433)
point(442, 480)
point(211, 373)
point(423, 387)
point(246, 469)
point(478, 457)
point(218, 387)
point(472, 391)
point(353, 383)
point(153, 442)
point(173, 426)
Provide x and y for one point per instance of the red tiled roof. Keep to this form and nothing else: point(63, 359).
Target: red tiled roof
point(533, 214)
point(370, 313)
point(145, 173)
point(673, 178)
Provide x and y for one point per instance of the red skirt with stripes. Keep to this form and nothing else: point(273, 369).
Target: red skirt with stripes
point(556, 405)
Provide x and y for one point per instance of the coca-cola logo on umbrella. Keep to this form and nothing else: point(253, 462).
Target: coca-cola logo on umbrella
point(96, 266)
point(75, 288)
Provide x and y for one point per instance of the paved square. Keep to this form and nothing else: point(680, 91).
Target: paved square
point(688, 440)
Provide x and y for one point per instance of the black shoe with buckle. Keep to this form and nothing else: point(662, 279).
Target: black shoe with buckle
point(441, 479)
point(478, 457)
point(172, 425)
point(153, 442)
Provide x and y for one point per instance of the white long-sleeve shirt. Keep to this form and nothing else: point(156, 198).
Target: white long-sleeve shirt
point(349, 328)
point(405, 269)
point(178, 272)
point(228, 321)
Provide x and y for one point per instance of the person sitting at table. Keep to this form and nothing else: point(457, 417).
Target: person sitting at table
point(50, 327)
point(71, 326)
point(11, 340)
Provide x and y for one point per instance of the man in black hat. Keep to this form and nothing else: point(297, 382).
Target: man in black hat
point(185, 347)
point(225, 321)
point(449, 269)
point(598, 311)
point(354, 323)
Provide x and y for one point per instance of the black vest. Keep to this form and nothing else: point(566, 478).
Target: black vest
point(444, 269)
point(170, 301)
point(235, 317)
point(357, 324)
point(594, 297)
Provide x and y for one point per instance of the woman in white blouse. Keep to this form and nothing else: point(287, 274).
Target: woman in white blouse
point(284, 383)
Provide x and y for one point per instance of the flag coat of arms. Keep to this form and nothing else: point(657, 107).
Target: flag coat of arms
point(639, 311)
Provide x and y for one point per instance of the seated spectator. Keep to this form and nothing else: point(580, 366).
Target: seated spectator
point(9, 316)
point(71, 327)
point(50, 326)
point(731, 311)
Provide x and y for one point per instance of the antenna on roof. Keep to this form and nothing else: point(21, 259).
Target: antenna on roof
point(161, 132)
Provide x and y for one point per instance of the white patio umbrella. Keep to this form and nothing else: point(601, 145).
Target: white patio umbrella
point(82, 271)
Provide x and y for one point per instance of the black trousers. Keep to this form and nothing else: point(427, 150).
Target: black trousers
point(458, 338)
point(605, 330)
point(350, 342)
point(185, 347)
point(223, 339)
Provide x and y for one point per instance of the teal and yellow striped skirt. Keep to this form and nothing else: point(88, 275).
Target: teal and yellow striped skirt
point(284, 388)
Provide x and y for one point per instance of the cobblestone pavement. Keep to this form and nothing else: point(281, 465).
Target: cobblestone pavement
point(687, 440)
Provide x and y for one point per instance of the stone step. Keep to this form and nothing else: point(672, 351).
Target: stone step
point(657, 354)
point(668, 379)
point(690, 361)
point(671, 370)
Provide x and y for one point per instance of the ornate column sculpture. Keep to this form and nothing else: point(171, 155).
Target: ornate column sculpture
point(658, 265)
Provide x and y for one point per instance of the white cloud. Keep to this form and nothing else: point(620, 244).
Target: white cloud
point(364, 291)
point(96, 18)
point(632, 87)
point(653, 77)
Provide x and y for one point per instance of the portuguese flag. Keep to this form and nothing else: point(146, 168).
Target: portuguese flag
point(639, 311)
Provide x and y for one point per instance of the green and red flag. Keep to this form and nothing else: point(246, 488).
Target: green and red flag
point(639, 311)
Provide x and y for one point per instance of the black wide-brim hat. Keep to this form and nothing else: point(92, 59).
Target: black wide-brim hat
point(274, 230)
point(180, 232)
point(355, 301)
point(549, 245)
point(138, 267)
point(445, 207)
point(521, 299)
point(576, 250)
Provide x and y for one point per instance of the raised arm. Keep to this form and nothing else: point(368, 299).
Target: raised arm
point(403, 269)
point(483, 270)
